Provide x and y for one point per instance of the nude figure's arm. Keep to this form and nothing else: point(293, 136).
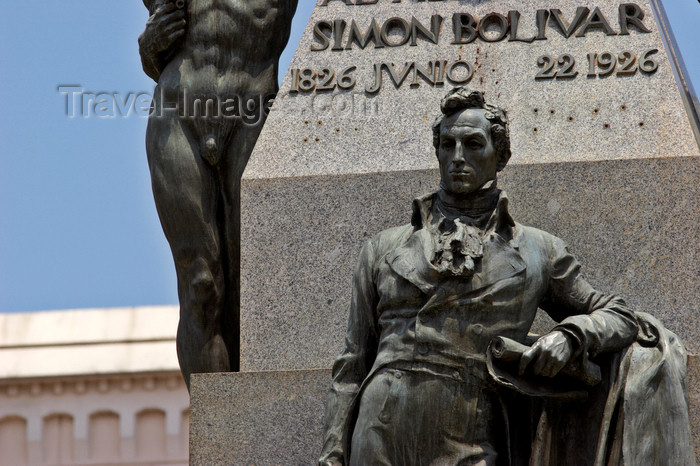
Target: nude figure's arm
point(165, 26)
point(292, 9)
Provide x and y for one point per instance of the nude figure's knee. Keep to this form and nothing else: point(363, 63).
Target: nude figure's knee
point(201, 347)
point(205, 293)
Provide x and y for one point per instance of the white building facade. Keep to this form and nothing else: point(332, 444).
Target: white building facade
point(92, 387)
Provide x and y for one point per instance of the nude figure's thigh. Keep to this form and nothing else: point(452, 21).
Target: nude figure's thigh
point(235, 157)
point(242, 145)
point(186, 193)
point(233, 161)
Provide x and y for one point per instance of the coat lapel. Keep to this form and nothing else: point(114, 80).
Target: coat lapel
point(501, 261)
point(408, 261)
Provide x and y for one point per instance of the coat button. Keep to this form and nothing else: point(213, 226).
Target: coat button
point(398, 374)
point(423, 348)
point(478, 329)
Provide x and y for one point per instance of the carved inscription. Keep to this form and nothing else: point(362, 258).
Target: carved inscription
point(625, 63)
point(308, 80)
point(434, 73)
point(566, 64)
point(339, 34)
point(463, 28)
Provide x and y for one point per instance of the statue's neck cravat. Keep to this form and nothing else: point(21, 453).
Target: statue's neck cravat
point(456, 227)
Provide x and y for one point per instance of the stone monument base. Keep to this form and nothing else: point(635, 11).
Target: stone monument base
point(260, 418)
point(276, 418)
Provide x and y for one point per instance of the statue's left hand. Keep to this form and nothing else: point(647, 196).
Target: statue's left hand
point(550, 354)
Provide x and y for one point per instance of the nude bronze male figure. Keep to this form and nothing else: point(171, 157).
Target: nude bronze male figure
point(216, 64)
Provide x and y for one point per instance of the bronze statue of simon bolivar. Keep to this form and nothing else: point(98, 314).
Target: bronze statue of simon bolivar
point(416, 383)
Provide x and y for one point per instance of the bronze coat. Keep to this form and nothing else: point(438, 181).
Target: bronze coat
point(403, 312)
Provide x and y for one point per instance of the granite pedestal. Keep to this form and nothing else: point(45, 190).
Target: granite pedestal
point(276, 418)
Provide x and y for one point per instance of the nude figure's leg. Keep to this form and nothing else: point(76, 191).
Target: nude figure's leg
point(186, 192)
point(231, 169)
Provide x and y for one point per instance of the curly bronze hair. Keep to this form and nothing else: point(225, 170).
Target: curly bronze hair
point(461, 98)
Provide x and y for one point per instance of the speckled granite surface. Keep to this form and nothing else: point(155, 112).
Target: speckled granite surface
point(633, 225)
point(609, 163)
point(276, 418)
point(261, 418)
point(556, 120)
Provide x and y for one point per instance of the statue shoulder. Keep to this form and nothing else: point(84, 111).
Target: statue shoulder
point(388, 240)
point(534, 237)
point(532, 232)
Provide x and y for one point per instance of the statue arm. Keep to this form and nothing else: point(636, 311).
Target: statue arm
point(353, 365)
point(164, 27)
point(150, 63)
point(595, 322)
point(292, 9)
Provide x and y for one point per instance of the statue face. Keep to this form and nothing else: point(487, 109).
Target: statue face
point(466, 153)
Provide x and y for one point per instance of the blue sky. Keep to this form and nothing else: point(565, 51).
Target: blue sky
point(78, 226)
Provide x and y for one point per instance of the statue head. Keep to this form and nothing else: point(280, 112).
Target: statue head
point(471, 141)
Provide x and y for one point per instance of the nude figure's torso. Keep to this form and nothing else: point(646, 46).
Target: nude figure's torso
point(231, 48)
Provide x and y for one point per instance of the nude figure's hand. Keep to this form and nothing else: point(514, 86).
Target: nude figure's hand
point(550, 354)
point(163, 28)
